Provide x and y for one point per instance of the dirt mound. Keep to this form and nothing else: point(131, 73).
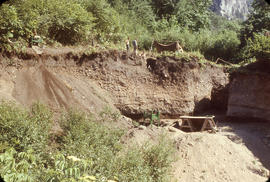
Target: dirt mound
point(204, 157)
point(207, 157)
point(174, 86)
point(168, 84)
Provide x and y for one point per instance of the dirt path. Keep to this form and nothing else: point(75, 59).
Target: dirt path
point(254, 135)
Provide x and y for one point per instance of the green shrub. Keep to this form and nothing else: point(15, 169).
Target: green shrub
point(107, 114)
point(85, 138)
point(24, 130)
point(89, 140)
point(87, 150)
point(10, 28)
point(106, 19)
point(149, 163)
point(69, 22)
point(258, 46)
point(158, 158)
point(18, 166)
point(225, 45)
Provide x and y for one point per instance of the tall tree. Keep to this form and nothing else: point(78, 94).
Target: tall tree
point(142, 9)
point(194, 14)
point(258, 21)
point(164, 8)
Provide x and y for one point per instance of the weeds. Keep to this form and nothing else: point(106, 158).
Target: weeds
point(87, 149)
point(109, 115)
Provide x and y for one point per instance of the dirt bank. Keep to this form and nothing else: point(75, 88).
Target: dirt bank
point(29, 84)
point(249, 93)
point(63, 78)
point(172, 86)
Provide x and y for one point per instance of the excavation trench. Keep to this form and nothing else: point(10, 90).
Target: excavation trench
point(170, 85)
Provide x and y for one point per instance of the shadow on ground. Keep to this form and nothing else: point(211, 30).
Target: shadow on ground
point(253, 133)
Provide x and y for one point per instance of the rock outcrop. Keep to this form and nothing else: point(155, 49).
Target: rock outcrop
point(232, 9)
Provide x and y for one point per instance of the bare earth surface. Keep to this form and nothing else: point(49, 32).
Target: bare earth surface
point(240, 151)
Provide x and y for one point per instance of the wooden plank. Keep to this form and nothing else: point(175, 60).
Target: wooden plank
point(196, 117)
point(187, 124)
point(209, 124)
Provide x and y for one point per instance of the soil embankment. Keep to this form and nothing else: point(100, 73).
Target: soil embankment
point(134, 84)
point(172, 86)
point(249, 93)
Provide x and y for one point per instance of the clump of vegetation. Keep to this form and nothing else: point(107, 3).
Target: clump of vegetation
point(86, 150)
point(258, 46)
point(110, 23)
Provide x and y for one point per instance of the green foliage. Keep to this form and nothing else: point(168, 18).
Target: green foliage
point(193, 14)
point(164, 8)
point(99, 144)
point(107, 24)
point(258, 47)
point(87, 150)
point(159, 158)
point(18, 166)
point(218, 23)
point(69, 22)
point(31, 20)
point(25, 130)
point(258, 21)
point(167, 30)
point(225, 45)
point(142, 12)
point(149, 163)
point(109, 115)
point(10, 27)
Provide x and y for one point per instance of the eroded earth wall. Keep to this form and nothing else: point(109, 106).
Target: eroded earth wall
point(172, 86)
point(249, 96)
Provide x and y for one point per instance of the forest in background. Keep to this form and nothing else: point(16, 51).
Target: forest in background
point(192, 23)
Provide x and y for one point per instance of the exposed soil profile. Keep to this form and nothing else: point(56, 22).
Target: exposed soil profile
point(38, 84)
point(130, 85)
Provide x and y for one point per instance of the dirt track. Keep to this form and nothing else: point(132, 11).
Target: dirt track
point(62, 79)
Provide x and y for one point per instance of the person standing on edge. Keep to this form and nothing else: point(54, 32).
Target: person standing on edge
point(135, 46)
point(127, 44)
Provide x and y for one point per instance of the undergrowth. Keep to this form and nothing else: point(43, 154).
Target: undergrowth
point(86, 150)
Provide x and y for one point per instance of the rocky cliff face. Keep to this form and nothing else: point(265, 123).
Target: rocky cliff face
point(232, 9)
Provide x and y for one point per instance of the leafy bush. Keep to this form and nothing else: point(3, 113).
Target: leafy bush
point(24, 130)
point(195, 16)
point(158, 158)
point(106, 19)
point(18, 166)
point(69, 22)
point(87, 150)
point(10, 27)
point(258, 46)
point(225, 45)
